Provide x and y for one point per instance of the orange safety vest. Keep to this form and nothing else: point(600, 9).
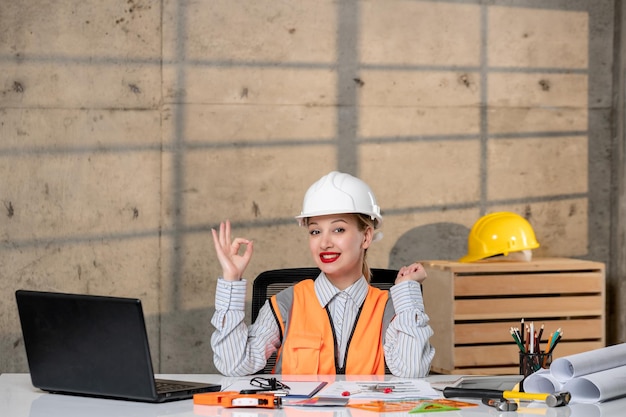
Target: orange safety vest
point(308, 344)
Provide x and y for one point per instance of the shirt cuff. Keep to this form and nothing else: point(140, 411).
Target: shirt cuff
point(406, 296)
point(230, 295)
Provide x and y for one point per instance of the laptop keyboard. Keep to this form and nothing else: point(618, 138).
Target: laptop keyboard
point(164, 386)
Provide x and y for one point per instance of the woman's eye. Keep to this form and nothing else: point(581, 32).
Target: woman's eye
point(314, 232)
point(340, 230)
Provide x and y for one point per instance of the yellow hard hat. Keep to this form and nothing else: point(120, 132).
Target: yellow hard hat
point(498, 234)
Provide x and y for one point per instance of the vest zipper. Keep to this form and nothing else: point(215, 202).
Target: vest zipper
point(342, 370)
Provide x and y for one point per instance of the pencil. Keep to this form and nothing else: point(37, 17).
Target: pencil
point(519, 336)
point(558, 339)
point(527, 338)
point(519, 345)
point(540, 334)
point(548, 343)
point(557, 335)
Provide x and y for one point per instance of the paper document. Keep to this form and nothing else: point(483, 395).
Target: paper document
point(381, 390)
point(297, 389)
point(499, 382)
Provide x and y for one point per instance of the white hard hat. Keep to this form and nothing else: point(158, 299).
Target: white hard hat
point(337, 193)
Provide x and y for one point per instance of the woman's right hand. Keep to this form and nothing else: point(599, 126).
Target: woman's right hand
point(233, 263)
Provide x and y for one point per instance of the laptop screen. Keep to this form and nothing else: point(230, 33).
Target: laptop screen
point(86, 344)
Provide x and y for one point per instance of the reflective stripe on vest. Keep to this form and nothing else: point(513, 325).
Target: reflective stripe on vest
point(308, 345)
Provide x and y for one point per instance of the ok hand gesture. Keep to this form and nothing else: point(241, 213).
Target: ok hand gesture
point(233, 263)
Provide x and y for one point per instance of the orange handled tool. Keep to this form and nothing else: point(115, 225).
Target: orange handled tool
point(236, 399)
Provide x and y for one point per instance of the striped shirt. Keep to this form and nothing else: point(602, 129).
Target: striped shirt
point(239, 349)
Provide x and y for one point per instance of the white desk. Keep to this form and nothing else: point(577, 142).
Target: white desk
point(18, 398)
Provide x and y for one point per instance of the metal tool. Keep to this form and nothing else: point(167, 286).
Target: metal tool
point(556, 399)
point(500, 404)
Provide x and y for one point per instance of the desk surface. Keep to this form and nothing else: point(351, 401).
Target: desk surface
point(18, 398)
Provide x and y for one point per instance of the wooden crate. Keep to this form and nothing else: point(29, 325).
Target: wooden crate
point(472, 306)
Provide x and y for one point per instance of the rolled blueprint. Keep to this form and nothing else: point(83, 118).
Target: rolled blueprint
point(572, 366)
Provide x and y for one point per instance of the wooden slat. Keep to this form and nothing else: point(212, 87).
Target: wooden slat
point(496, 370)
point(498, 332)
point(513, 308)
point(562, 283)
point(536, 265)
point(508, 355)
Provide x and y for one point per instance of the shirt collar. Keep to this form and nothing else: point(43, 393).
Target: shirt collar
point(326, 291)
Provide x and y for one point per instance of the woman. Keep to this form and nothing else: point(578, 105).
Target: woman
point(337, 323)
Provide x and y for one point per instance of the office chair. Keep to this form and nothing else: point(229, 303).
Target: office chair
point(268, 283)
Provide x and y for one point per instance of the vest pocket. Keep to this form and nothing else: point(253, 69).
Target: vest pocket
point(303, 353)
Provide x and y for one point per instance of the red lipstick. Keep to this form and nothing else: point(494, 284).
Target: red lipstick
point(329, 257)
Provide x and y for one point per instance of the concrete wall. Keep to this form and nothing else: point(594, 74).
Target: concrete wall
point(130, 128)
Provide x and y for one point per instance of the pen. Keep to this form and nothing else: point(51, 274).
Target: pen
point(386, 389)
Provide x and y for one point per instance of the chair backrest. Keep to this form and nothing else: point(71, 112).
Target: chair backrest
point(272, 282)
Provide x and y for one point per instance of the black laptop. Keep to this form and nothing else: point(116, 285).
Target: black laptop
point(93, 346)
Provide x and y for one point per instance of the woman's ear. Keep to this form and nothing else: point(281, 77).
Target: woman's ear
point(368, 235)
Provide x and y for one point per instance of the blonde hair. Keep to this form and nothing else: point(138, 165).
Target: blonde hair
point(363, 222)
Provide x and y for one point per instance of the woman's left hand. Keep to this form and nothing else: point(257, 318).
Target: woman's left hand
point(413, 272)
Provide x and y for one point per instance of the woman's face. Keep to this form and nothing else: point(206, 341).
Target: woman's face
point(337, 246)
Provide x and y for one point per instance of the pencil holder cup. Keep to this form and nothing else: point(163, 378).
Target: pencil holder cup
point(529, 363)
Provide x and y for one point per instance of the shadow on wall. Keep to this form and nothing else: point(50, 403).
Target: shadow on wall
point(184, 346)
point(436, 241)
